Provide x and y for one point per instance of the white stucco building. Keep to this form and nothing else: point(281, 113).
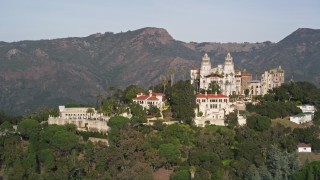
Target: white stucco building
point(306, 115)
point(254, 87)
point(81, 117)
point(152, 98)
point(212, 109)
point(307, 108)
point(271, 79)
point(302, 147)
point(78, 113)
point(232, 81)
point(301, 118)
point(224, 75)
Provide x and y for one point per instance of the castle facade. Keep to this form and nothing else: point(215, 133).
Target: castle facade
point(232, 81)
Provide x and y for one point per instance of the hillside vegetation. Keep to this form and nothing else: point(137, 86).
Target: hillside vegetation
point(59, 71)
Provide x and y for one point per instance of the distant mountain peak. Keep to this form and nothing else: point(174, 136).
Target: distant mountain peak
point(159, 34)
point(301, 34)
point(305, 30)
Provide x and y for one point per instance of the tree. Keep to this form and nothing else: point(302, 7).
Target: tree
point(280, 163)
point(183, 101)
point(180, 175)
point(117, 123)
point(64, 140)
point(131, 92)
point(252, 173)
point(6, 125)
point(172, 71)
point(205, 160)
point(309, 171)
point(47, 158)
point(246, 92)
point(164, 82)
point(50, 131)
point(202, 174)
point(99, 101)
point(110, 90)
point(138, 114)
point(171, 152)
point(180, 133)
point(214, 87)
point(43, 113)
point(184, 71)
point(90, 111)
point(259, 123)
point(158, 125)
point(232, 120)
point(29, 128)
point(154, 111)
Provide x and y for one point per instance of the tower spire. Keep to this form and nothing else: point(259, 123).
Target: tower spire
point(228, 58)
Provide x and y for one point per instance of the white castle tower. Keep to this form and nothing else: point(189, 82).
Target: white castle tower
point(229, 80)
point(205, 71)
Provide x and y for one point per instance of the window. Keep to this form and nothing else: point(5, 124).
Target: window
point(203, 100)
point(220, 100)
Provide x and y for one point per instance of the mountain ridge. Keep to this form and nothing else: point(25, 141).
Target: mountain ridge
point(76, 69)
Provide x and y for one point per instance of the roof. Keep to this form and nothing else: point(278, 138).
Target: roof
point(211, 96)
point(302, 114)
point(153, 96)
point(303, 145)
point(76, 110)
point(214, 75)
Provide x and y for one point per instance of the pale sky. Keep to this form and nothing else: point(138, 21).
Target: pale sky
point(185, 20)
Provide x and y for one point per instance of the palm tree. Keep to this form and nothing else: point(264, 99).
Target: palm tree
point(164, 82)
point(184, 71)
point(172, 71)
point(110, 90)
point(90, 111)
point(99, 100)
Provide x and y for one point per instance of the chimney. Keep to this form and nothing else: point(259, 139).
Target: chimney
point(150, 93)
point(205, 93)
point(216, 93)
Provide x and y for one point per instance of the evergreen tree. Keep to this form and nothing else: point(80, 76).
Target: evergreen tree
point(183, 101)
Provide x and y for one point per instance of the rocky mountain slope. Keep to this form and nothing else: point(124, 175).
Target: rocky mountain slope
point(59, 71)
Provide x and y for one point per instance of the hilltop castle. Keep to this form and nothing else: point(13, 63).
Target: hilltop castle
point(231, 81)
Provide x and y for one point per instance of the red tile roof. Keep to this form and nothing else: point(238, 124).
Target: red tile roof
point(303, 145)
point(153, 97)
point(143, 97)
point(211, 96)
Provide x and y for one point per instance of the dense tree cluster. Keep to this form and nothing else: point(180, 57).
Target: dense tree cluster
point(256, 151)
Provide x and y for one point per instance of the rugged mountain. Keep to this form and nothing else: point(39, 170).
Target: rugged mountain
point(297, 53)
point(59, 71)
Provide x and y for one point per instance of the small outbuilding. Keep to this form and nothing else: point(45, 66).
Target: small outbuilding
point(302, 147)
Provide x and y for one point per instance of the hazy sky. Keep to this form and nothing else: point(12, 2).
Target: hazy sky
point(185, 20)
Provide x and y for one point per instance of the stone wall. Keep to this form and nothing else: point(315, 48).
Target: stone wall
point(82, 124)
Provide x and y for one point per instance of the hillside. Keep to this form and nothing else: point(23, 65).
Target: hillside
point(59, 71)
point(298, 54)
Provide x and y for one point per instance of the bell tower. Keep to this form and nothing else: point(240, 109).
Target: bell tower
point(205, 65)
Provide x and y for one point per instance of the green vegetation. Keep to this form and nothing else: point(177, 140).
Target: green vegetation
point(256, 151)
point(183, 101)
